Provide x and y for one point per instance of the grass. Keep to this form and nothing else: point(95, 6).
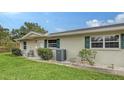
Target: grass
point(19, 68)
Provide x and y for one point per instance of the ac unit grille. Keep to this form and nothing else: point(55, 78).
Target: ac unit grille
point(60, 54)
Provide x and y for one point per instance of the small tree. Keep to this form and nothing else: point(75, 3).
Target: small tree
point(45, 53)
point(88, 55)
point(26, 28)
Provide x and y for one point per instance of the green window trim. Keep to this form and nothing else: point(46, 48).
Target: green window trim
point(87, 42)
point(122, 41)
point(58, 43)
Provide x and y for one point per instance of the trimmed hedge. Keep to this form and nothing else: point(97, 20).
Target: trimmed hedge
point(45, 53)
point(16, 51)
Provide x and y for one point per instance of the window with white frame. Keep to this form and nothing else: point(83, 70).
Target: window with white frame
point(112, 41)
point(107, 41)
point(97, 42)
point(52, 43)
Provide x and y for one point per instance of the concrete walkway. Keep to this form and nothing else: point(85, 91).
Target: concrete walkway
point(96, 67)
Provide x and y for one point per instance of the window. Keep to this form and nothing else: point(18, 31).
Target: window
point(97, 42)
point(112, 41)
point(108, 41)
point(52, 43)
point(25, 45)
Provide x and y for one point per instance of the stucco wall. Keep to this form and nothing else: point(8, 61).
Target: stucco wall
point(32, 45)
point(108, 57)
point(73, 44)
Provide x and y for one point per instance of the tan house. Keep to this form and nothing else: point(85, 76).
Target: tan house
point(108, 41)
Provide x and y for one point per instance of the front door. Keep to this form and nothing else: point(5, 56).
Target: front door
point(41, 44)
point(32, 48)
point(32, 45)
point(35, 44)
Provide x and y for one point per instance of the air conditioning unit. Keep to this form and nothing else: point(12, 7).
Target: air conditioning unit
point(60, 54)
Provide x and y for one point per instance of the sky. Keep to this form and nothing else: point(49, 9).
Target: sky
point(60, 21)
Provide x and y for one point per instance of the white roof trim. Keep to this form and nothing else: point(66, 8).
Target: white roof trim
point(109, 28)
point(31, 33)
point(105, 29)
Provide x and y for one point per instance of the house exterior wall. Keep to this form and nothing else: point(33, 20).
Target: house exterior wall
point(32, 45)
point(108, 57)
point(73, 44)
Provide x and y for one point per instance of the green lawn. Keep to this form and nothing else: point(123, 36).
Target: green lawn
point(19, 68)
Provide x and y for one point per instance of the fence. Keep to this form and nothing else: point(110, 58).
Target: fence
point(8, 49)
point(4, 50)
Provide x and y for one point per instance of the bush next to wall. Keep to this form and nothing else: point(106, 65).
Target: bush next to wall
point(16, 51)
point(45, 53)
point(88, 55)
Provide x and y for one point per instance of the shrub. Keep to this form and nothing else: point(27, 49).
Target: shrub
point(88, 55)
point(16, 51)
point(45, 53)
